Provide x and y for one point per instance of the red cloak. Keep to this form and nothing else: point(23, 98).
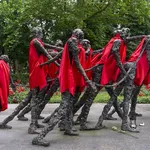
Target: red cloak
point(89, 65)
point(4, 85)
point(52, 69)
point(110, 70)
point(147, 79)
point(69, 76)
point(96, 59)
point(37, 74)
point(142, 66)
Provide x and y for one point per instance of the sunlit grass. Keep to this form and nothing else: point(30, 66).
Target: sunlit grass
point(102, 97)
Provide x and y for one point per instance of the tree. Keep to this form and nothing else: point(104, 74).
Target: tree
point(58, 18)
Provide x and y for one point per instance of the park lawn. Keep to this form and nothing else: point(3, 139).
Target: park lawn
point(102, 97)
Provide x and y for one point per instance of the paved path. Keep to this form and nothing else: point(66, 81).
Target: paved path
point(18, 139)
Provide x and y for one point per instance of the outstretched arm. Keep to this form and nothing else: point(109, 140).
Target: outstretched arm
point(56, 56)
point(115, 51)
point(133, 38)
point(48, 46)
point(97, 51)
point(41, 49)
point(73, 50)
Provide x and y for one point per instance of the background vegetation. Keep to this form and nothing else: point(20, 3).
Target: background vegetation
point(102, 97)
point(58, 18)
point(97, 18)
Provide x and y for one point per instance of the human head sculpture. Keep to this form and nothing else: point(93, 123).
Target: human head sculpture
point(37, 32)
point(59, 43)
point(78, 33)
point(86, 44)
point(124, 32)
point(4, 58)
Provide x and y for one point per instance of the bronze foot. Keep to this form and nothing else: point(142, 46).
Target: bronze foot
point(22, 118)
point(5, 126)
point(71, 133)
point(40, 142)
point(126, 127)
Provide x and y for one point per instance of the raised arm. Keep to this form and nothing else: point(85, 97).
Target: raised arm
point(48, 46)
point(41, 49)
point(97, 51)
point(73, 50)
point(56, 56)
point(115, 51)
point(133, 38)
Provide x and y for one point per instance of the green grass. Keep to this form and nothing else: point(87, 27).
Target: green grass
point(56, 98)
point(102, 97)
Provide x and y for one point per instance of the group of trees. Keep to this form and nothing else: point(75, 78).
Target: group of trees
point(58, 18)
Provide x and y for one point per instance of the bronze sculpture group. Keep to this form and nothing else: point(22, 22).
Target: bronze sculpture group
point(75, 69)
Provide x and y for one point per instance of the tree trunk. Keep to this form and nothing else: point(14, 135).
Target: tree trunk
point(16, 68)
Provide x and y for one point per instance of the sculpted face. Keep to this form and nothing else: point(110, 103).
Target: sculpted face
point(124, 32)
point(78, 33)
point(37, 32)
point(86, 44)
point(5, 58)
point(59, 43)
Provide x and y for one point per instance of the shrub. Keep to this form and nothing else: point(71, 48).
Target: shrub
point(102, 97)
point(23, 77)
point(145, 91)
point(19, 94)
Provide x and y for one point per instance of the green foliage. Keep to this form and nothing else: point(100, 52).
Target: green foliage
point(59, 17)
point(22, 77)
point(102, 97)
point(144, 100)
point(15, 33)
point(56, 98)
point(144, 91)
point(19, 95)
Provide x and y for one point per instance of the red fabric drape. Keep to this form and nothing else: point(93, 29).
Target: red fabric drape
point(88, 64)
point(142, 66)
point(4, 85)
point(147, 79)
point(110, 70)
point(69, 76)
point(37, 74)
point(137, 52)
point(52, 69)
point(96, 59)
